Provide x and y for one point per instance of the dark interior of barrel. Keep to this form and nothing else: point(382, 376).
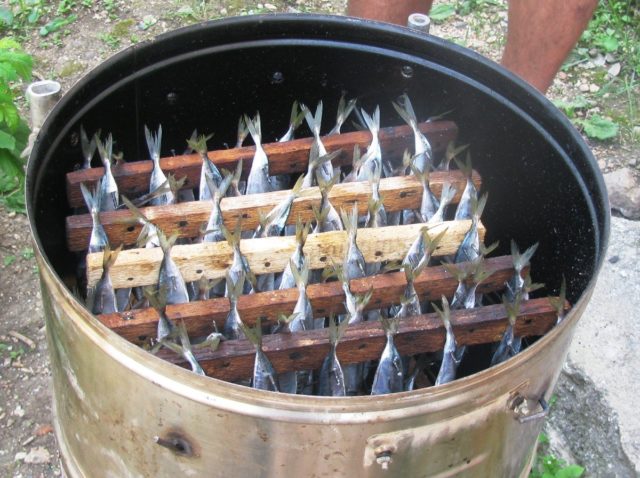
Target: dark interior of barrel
point(535, 191)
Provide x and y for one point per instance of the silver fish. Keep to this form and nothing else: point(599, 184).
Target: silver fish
point(372, 158)
point(355, 165)
point(327, 218)
point(109, 200)
point(104, 299)
point(423, 154)
point(374, 219)
point(243, 131)
point(264, 375)
point(302, 309)
point(208, 170)
point(166, 329)
point(273, 223)
point(213, 231)
point(470, 193)
point(451, 152)
point(446, 196)
point(98, 240)
point(389, 377)
point(429, 204)
point(325, 170)
point(289, 381)
point(520, 261)
point(558, 303)
point(422, 248)
point(469, 249)
point(394, 218)
point(239, 265)
point(170, 276)
point(450, 360)
point(354, 263)
point(509, 344)
point(234, 187)
point(331, 382)
point(158, 177)
point(410, 302)
point(88, 148)
point(469, 276)
point(185, 349)
point(258, 180)
point(380, 219)
point(148, 236)
point(297, 258)
point(314, 167)
point(294, 121)
point(232, 329)
point(344, 110)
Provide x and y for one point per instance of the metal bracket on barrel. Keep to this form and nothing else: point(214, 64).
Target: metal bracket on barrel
point(519, 405)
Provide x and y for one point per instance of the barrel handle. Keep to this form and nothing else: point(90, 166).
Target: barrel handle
point(526, 415)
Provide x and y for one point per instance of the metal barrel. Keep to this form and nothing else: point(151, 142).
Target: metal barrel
point(120, 411)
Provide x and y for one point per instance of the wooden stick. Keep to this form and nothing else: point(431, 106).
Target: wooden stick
point(139, 267)
point(186, 219)
point(284, 158)
point(233, 360)
point(434, 282)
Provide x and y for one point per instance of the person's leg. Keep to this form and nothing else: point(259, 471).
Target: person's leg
point(540, 36)
point(391, 11)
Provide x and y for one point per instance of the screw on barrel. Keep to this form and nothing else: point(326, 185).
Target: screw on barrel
point(383, 457)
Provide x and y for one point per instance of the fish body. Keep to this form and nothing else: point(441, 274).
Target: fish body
point(297, 258)
point(274, 222)
point(158, 178)
point(108, 194)
point(429, 204)
point(450, 360)
point(233, 329)
point(213, 231)
point(354, 263)
point(520, 261)
point(98, 240)
point(389, 377)
point(170, 277)
point(264, 375)
point(104, 299)
point(372, 159)
point(325, 169)
point(327, 218)
point(239, 265)
point(331, 382)
point(295, 120)
point(344, 110)
point(509, 345)
point(423, 154)
point(470, 193)
point(447, 195)
point(258, 180)
point(208, 169)
point(469, 249)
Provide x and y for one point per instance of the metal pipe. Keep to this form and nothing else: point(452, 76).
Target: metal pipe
point(419, 22)
point(42, 96)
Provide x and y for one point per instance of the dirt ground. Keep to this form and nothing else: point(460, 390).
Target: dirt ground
point(27, 444)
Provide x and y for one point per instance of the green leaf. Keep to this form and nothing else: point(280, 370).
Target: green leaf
point(10, 164)
point(442, 11)
point(6, 16)
point(7, 141)
point(607, 42)
point(571, 471)
point(597, 127)
point(8, 260)
point(56, 24)
point(9, 115)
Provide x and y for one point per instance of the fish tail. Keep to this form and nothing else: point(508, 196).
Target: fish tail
point(374, 206)
point(301, 276)
point(199, 145)
point(105, 149)
point(512, 308)
point(432, 244)
point(465, 166)
point(154, 142)
point(336, 330)
point(453, 151)
point(135, 211)
point(109, 256)
point(218, 192)
point(326, 185)
point(405, 109)
point(363, 299)
point(233, 238)
point(297, 115)
point(522, 260)
point(477, 206)
point(422, 176)
point(313, 122)
point(297, 187)
point(486, 250)
point(302, 231)
point(235, 288)
point(455, 270)
point(350, 220)
point(90, 199)
point(558, 302)
point(448, 193)
point(390, 324)
point(88, 147)
point(254, 335)
point(319, 215)
point(255, 129)
point(166, 243)
point(444, 313)
point(355, 158)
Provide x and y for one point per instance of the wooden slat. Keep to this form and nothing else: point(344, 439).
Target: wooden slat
point(139, 267)
point(425, 333)
point(186, 219)
point(139, 325)
point(290, 157)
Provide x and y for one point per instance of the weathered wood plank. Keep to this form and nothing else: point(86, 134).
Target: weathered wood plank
point(233, 360)
point(290, 157)
point(186, 219)
point(139, 325)
point(139, 267)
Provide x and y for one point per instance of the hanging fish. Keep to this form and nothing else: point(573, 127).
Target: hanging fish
point(208, 170)
point(295, 119)
point(297, 258)
point(327, 218)
point(372, 159)
point(410, 302)
point(423, 154)
point(450, 359)
point(232, 329)
point(331, 382)
point(104, 298)
point(234, 187)
point(446, 196)
point(469, 194)
point(315, 163)
point(451, 152)
point(109, 200)
point(302, 309)
point(239, 264)
point(344, 110)
point(157, 298)
point(469, 249)
point(158, 177)
point(374, 217)
point(170, 277)
point(243, 131)
point(429, 204)
point(213, 230)
point(421, 363)
point(264, 375)
point(354, 263)
point(258, 180)
point(380, 216)
point(395, 218)
point(422, 248)
point(98, 240)
point(88, 148)
point(292, 380)
point(274, 222)
point(355, 165)
point(204, 287)
point(520, 261)
point(389, 377)
point(148, 236)
point(469, 276)
point(325, 169)
point(185, 349)
point(559, 302)
point(509, 345)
